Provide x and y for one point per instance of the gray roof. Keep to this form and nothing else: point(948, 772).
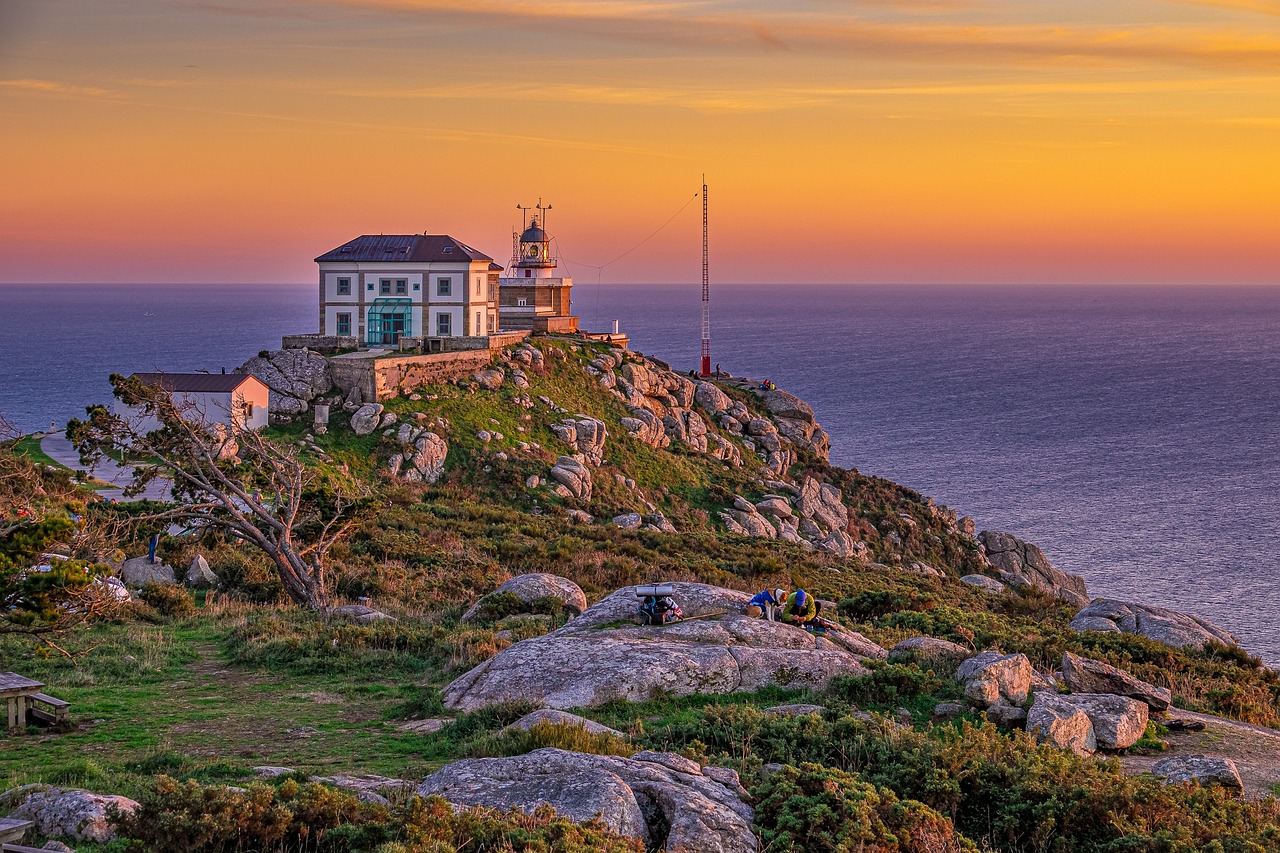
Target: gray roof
point(199, 383)
point(404, 248)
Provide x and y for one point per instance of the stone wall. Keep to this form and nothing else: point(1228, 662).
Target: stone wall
point(320, 343)
point(394, 376)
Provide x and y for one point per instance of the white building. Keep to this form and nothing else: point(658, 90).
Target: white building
point(213, 398)
point(380, 288)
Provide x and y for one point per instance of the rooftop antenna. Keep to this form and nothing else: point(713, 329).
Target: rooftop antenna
point(706, 289)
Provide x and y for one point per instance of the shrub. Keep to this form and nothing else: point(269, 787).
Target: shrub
point(818, 809)
point(168, 599)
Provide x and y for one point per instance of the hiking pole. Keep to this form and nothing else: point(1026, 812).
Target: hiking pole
point(703, 616)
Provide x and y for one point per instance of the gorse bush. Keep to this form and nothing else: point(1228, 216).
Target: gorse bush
point(820, 810)
point(313, 818)
point(168, 600)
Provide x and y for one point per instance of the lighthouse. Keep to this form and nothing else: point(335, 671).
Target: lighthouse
point(532, 295)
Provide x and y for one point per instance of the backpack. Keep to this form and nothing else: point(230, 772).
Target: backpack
point(659, 611)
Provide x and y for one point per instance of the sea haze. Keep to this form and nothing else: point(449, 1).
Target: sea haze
point(1130, 432)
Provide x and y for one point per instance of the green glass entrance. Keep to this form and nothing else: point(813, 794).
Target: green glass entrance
point(388, 321)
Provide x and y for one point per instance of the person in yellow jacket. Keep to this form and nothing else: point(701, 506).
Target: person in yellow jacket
point(801, 609)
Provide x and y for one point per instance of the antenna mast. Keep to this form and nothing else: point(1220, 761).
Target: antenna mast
point(706, 289)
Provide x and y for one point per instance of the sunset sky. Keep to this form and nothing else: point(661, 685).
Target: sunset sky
point(1019, 141)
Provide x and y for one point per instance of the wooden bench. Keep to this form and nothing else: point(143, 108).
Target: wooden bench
point(60, 713)
point(18, 848)
point(12, 831)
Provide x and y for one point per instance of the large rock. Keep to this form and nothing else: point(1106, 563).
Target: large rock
point(294, 377)
point(200, 576)
point(1085, 675)
point(65, 813)
point(823, 503)
point(1201, 769)
point(365, 419)
point(140, 571)
point(646, 427)
point(552, 717)
point(490, 378)
point(991, 585)
point(927, 650)
point(711, 398)
point(991, 677)
point(1060, 723)
point(426, 463)
point(574, 476)
point(794, 418)
point(531, 588)
point(1118, 721)
point(1167, 626)
point(1023, 564)
point(602, 656)
point(666, 801)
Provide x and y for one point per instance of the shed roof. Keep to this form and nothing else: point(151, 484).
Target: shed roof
point(404, 248)
point(199, 383)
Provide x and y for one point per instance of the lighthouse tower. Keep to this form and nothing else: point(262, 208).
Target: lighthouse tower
point(531, 295)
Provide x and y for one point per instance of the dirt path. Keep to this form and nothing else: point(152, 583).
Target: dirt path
point(1254, 749)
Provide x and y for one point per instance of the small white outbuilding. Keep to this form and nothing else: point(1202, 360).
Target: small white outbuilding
point(230, 399)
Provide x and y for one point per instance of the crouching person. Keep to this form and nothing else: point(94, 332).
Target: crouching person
point(802, 609)
point(659, 610)
point(767, 604)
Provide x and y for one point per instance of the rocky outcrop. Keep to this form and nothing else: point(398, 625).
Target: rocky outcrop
point(1167, 626)
point(795, 420)
point(295, 377)
point(646, 427)
point(1085, 675)
point(490, 378)
point(823, 503)
point(602, 656)
point(1118, 721)
point(531, 589)
point(1061, 724)
point(1203, 770)
point(359, 613)
point(552, 717)
point(422, 457)
point(928, 650)
point(140, 571)
point(66, 813)
point(667, 801)
point(991, 677)
point(574, 476)
point(585, 434)
point(200, 576)
point(991, 585)
point(365, 419)
point(1023, 564)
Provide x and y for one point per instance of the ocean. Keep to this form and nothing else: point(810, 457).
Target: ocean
point(1130, 432)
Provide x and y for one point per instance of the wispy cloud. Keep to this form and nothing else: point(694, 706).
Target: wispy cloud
point(54, 87)
point(721, 27)
point(1266, 7)
point(755, 98)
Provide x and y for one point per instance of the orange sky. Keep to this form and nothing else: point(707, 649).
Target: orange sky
point(893, 141)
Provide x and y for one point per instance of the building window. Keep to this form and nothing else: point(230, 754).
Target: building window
point(477, 285)
point(417, 285)
point(384, 286)
point(444, 287)
point(522, 302)
point(477, 327)
point(369, 286)
point(344, 324)
point(344, 287)
point(402, 286)
point(444, 324)
point(528, 273)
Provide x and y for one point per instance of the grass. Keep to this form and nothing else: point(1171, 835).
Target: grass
point(29, 446)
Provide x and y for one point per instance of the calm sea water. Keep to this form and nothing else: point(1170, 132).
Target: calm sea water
point(1130, 432)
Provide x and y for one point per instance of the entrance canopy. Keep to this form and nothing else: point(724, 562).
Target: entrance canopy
point(389, 320)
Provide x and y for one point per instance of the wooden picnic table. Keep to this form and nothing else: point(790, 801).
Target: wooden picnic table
point(11, 832)
point(23, 695)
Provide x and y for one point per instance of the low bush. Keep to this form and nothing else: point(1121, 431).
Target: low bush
point(313, 818)
point(168, 599)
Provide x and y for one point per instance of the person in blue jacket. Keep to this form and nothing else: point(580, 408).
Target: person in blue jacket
point(766, 603)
